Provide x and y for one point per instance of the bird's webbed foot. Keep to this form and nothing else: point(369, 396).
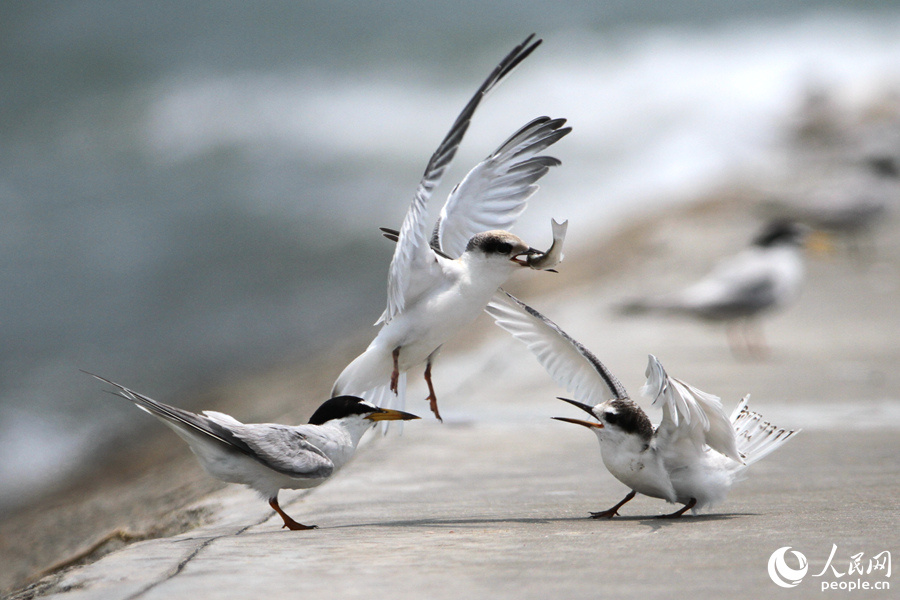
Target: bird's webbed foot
point(610, 513)
point(680, 511)
point(289, 523)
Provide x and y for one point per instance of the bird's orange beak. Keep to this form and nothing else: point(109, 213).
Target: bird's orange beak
point(386, 414)
point(588, 424)
point(588, 409)
point(526, 254)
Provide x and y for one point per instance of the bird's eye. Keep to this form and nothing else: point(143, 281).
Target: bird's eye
point(610, 417)
point(504, 248)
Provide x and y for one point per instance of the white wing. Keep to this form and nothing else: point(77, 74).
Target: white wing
point(569, 363)
point(496, 191)
point(413, 254)
point(747, 281)
point(756, 437)
point(743, 284)
point(689, 412)
point(745, 270)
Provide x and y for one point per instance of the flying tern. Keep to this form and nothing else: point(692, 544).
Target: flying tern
point(268, 457)
point(765, 276)
point(692, 457)
point(442, 276)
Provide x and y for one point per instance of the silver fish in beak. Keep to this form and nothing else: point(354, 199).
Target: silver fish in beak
point(547, 260)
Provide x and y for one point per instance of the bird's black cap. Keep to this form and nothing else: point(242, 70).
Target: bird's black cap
point(340, 407)
point(781, 232)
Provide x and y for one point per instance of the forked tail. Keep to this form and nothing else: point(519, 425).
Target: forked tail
point(383, 397)
point(756, 437)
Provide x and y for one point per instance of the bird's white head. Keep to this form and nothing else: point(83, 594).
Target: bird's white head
point(614, 419)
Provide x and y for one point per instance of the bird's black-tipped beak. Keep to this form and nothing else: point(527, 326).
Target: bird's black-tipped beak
point(588, 409)
point(387, 414)
point(524, 262)
point(588, 424)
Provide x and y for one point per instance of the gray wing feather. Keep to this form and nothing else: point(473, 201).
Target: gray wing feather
point(496, 191)
point(689, 412)
point(569, 363)
point(413, 247)
point(285, 449)
point(275, 446)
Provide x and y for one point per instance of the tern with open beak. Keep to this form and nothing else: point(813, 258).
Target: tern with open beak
point(693, 457)
point(268, 457)
point(442, 276)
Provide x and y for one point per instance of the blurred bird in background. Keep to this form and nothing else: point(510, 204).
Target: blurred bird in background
point(848, 202)
point(763, 277)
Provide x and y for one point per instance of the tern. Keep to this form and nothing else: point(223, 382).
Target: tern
point(765, 276)
point(849, 203)
point(693, 457)
point(442, 276)
point(268, 457)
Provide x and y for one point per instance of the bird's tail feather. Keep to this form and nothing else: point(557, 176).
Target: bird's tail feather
point(635, 306)
point(648, 305)
point(184, 422)
point(383, 397)
point(368, 371)
point(756, 437)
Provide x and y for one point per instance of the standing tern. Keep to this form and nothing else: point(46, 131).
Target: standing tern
point(765, 276)
point(849, 203)
point(268, 457)
point(442, 276)
point(693, 457)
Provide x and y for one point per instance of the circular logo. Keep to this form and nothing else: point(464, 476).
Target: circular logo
point(781, 573)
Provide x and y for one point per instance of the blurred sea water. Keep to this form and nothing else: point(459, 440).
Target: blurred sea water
point(191, 191)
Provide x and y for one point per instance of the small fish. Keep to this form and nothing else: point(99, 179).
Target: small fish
point(552, 257)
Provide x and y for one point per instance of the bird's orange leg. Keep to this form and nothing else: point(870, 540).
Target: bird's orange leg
point(680, 511)
point(395, 374)
point(610, 513)
point(288, 522)
point(432, 397)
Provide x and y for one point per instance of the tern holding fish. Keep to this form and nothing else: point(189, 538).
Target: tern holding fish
point(441, 277)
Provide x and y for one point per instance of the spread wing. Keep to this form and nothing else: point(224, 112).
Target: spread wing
point(689, 412)
point(496, 191)
point(569, 363)
point(413, 253)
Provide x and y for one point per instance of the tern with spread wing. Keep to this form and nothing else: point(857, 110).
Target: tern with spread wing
point(268, 457)
point(693, 457)
point(441, 277)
